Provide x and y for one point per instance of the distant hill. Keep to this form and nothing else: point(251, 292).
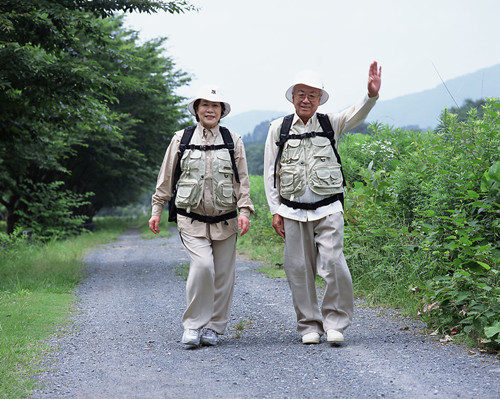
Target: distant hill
point(416, 110)
point(245, 122)
point(424, 108)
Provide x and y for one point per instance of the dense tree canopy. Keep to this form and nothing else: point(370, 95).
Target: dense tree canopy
point(82, 103)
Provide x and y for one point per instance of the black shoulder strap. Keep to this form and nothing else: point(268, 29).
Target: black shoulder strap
point(326, 126)
point(228, 141)
point(186, 138)
point(285, 129)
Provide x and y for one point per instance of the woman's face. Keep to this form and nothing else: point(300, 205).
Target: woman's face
point(209, 113)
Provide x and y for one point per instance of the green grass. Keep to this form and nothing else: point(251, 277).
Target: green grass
point(182, 271)
point(36, 298)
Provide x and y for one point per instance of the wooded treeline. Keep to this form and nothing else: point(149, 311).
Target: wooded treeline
point(87, 110)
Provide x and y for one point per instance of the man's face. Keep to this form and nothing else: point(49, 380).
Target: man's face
point(306, 101)
point(209, 113)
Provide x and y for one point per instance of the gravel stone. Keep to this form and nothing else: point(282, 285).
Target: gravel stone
point(124, 342)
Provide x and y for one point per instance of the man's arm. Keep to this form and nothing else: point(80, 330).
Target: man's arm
point(272, 193)
point(353, 116)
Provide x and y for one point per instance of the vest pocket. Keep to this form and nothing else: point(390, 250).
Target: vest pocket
point(187, 194)
point(224, 197)
point(290, 183)
point(322, 148)
point(326, 180)
point(291, 151)
point(224, 160)
point(191, 159)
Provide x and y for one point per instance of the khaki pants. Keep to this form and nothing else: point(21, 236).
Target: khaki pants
point(210, 283)
point(316, 247)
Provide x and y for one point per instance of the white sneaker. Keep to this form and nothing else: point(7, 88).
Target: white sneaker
point(208, 337)
point(311, 338)
point(191, 338)
point(334, 336)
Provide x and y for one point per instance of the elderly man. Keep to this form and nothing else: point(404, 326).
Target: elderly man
point(304, 185)
point(205, 172)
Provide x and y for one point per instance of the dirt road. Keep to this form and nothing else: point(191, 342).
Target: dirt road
point(125, 342)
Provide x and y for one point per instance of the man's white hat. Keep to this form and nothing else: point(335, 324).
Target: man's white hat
point(209, 93)
point(308, 78)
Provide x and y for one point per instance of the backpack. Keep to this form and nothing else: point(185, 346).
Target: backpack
point(327, 132)
point(184, 144)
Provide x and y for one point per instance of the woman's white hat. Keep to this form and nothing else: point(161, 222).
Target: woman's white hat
point(308, 78)
point(209, 93)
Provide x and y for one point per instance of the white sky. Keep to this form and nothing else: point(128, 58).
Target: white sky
point(253, 48)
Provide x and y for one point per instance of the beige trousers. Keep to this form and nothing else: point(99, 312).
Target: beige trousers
point(210, 283)
point(316, 248)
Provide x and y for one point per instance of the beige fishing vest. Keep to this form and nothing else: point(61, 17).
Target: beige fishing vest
point(193, 176)
point(309, 162)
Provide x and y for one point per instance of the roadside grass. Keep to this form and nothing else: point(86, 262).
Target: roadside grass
point(36, 299)
point(182, 271)
point(240, 327)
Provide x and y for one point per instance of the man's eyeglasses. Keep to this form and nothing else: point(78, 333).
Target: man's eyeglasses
point(301, 95)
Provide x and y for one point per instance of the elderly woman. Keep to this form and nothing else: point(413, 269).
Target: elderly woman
point(211, 190)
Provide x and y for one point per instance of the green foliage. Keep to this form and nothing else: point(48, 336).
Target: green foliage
point(255, 158)
point(35, 284)
point(82, 103)
point(49, 210)
point(422, 217)
point(261, 242)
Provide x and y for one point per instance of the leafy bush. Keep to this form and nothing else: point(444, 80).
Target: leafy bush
point(49, 210)
point(422, 216)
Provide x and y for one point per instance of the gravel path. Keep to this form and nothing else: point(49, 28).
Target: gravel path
point(125, 342)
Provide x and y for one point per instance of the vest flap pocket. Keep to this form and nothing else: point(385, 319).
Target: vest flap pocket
point(192, 154)
point(323, 173)
point(223, 154)
point(320, 141)
point(326, 180)
point(293, 142)
point(226, 170)
point(286, 179)
point(186, 191)
point(224, 197)
point(227, 191)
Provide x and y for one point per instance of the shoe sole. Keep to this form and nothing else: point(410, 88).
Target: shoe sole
point(190, 346)
point(208, 343)
point(335, 340)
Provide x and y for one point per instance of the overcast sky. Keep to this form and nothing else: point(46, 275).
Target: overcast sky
point(253, 48)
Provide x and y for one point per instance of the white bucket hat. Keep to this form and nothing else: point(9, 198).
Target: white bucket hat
point(308, 78)
point(209, 93)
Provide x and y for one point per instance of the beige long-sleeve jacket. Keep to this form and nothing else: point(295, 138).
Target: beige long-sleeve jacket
point(215, 231)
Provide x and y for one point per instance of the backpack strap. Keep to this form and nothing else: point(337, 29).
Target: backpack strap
point(228, 141)
point(326, 126)
point(186, 138)
point(285, 129)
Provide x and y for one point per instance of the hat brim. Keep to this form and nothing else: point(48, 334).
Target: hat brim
point(227, 107)
point(324, 95)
